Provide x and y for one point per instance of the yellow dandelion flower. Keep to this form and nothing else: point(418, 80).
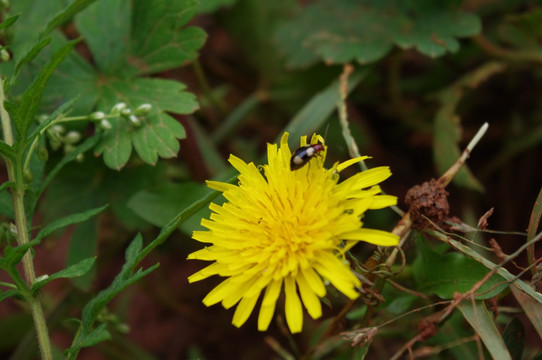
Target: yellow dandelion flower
point(288, 229)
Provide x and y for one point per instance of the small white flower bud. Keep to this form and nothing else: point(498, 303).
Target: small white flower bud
point(4, 55)
point(104, 124)
point(126, 112)
point(58, 129)
point(13, 229)
point(72, 137)
point(143, 109)
point(118, 108)
point(98, 115)
point(134, 120)
point(41, 278)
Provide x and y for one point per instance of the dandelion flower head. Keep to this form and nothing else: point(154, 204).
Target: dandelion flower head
point(288, 230)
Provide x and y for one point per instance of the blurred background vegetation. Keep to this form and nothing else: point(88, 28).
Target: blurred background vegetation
point(237, 73)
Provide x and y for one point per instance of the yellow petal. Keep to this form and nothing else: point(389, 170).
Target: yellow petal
point(350, 162)
point(314, 281)
point(293, 309)
point(269, 302)
point(382, 201)
point(310, 300)
point(244, 309)
point(220, 186)
point(338, 274)
point(373, 236)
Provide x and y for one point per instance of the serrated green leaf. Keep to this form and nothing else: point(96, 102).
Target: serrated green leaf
point(482, 322)
point(30, 100)
point(96, 336)
point(169, 46)
point(134, 254)
point(29, 54)
point(340, 31)
point(72, 271)
point(68, 220)
point(105, 25)
point(445, 274)
point(87, 334)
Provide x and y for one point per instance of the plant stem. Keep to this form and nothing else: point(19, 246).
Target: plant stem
point(16, 175)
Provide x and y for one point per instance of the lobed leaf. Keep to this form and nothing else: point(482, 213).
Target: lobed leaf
point(158, 40)
point(340, 31)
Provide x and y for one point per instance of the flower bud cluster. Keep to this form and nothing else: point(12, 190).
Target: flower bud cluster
point(60, 138)
point(133, 117)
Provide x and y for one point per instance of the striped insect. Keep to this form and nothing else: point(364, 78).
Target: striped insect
point(303, 155)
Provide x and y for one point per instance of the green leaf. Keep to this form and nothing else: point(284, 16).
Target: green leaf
point(105, 25)
point(169, 45)
point(87, 335)
point(76, 270)
point(13, 255)
point(7, 294)
point(127, 39)
point(9, 21)
point(30, 100)
point(6, 150)
point(445, 274)
point(68, 220)
point(135, 253)
point(65, 14)
point(96, 336)
point(340, 31)
point(482, 322)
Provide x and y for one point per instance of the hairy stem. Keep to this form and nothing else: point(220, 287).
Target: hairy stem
point(16, 175)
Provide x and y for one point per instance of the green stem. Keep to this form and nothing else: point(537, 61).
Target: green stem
point(16, 175)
